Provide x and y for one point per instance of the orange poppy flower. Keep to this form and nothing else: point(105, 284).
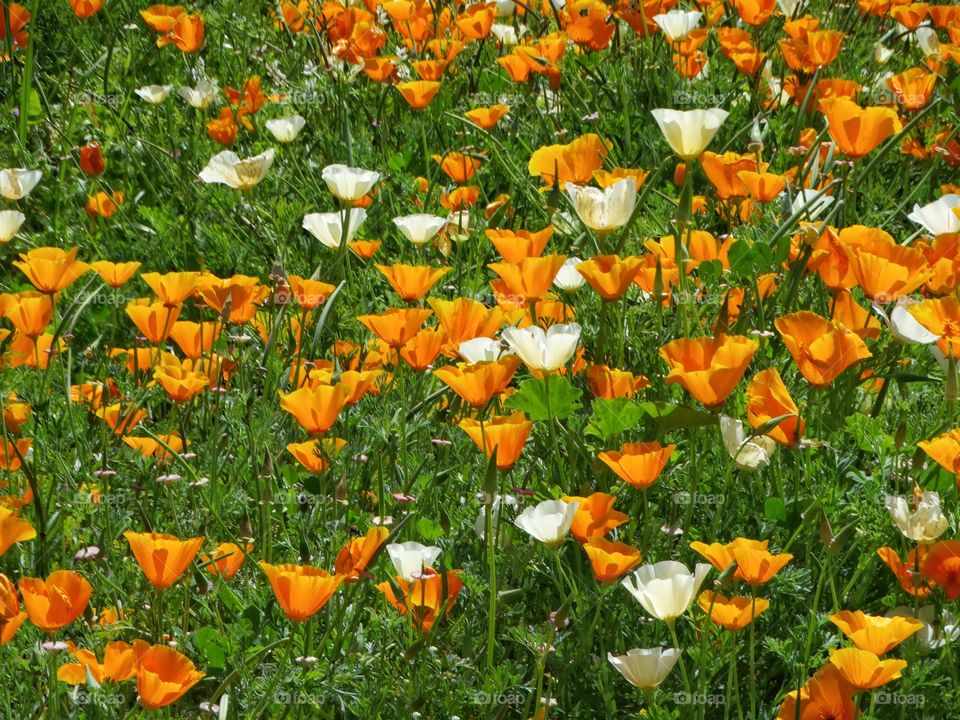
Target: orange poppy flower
point(50, 269)
point(851, 315)
point(709, 367)
point(161, 18)
point(179, 381)
point(195, 339)
point(826, 695)
point(420, 351)
point(858, 130)
point(638, 464)
point(418, 93)
point(154, 320)
point(913, 88)
point(606, 178)
point(121, 418)
point(886, 271)
point(875, 633)
point(91, 157)
point(486, 117)
point(13, 529)
point(57, 601)
point(515, 245)
point(595, 516)
point(733, 613)
point(458, 167)
point(29, 312)
point(530, 278)
point(723, 172)
point(226, 560)
point(755, 564)
point(397, 325)
point(301, 590)
point(507, 435)
point(355, 557)
point(768, 398)
point(102, 205)
point(908, 573)
point(941, 316)
point(609, 383)
point(816, 48)
point(164, 675)
point(477, 384)
point(945, 450)
point(162, 557)
point(942, 565)
point(223, 129)
point(309, 294)
point(172, 288)
point(423, 598)
point(315, 408)
point(150, 447)
point(11, 617)
point(574, 162)
point(364, 249)
point(610, 275)
point(119, 664)
point(187, 33)
point(10, 453)
point(863, 669)
point(411, 282)
point(610, 560)
point(822, 349)
point(755, 12)
point(235, 298)
point(19, 17)
point(115, 274)
point(313, 454)
point(762, 186)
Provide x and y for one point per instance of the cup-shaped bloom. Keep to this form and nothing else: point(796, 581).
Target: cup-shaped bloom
point(13, 529)
point(11, 617)
point(201, 96)
point(768, 398)
point(51, 269)
point(822, 349)
point(354, 557)
point(179, 382)
point(162, 557)
point(937, 627)
point(677, 24)
point(708, 367)
point(412, 560)
point(226, 168)
point(57, 601)
point(604, 211)
point(226, 560)
point(16, 183)
point(515, 245)
point(419, 228)
point(506, 435)
point(856, 130)
point(30, 312)
point(476, 384)
point(314, 454)
point(875, 633)
point(529, 279)
point(411, 282)
point(945, 450)
point(119, 664)
point(595, 516)
point(609, 383)
point(315, 408)
point(549, 522)
point(153, 94)
point(666, 589)
point(645, 668)
point(610, 275)
point(397, 325)
point(731, 614)
point(10, 222)
point(424, 597)
point(938, 217)
point(755, 564)
point(638, 464)
point(418, 93)
point(610, 560)
point(942, 565)
point(349, 184)
point(569, 278)
point(689, 132)
point(544, 351)
point(924, 524)
point(155, 321)
point(863, 669)
point(164, 675)
point(329, 227)
point(482, 349)
point(286, 129)
point(826, 695)
point(887, 271)
point(301, 590)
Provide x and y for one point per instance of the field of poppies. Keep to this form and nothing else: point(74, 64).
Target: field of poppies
point(445, 359)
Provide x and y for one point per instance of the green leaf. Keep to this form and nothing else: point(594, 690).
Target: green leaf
point(774, 509)
point(207, 640)
point(612, 417)
point(667, 416)
point(532, 398)
point(429, 529)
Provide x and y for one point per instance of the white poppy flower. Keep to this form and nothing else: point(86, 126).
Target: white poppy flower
point(153, 94)
point(689, 131)
point(925, 524)
point(480, 526)
point(199, 97)
point(286, 129)
point(666, 589)
point(411, 558)
point(749, 454)
point(419, 228)
point(16, 183)
point(549, 522)
point(938, 217)
point(904, 326)
point(568, 277)
point(604, 211)
point(544, 351)
point(482, 349)
point(227, 168)
point(328, 227)
point(645, 668)
point(936, 632)
point(349, 183)
point(10, 222)
point(677, 24)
